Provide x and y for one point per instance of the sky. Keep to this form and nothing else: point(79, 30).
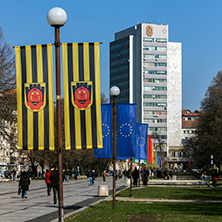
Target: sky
point(197, 24)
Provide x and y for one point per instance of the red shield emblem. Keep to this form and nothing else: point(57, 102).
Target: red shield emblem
point(35, 96)
point(82, 95)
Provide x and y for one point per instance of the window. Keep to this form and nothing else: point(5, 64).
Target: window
point(145, 39)
point(120, 53)
point(163, 56)
point(163, 137)
point(149, 64)
point(150, 48)
point(149, 56)
point(161, 40)
point(149, 120)
point(157, 129)
point(154, 72)
point(155, 80)
point(161, 121)
point(157, 88)
point(161, 112)
point(161, 104)
point(116, 45)
point(160, 48)
point(161, 64)
point(147, 96)
point(184, 131)
point(148, 112)
point(160, 96)
point(155, 104)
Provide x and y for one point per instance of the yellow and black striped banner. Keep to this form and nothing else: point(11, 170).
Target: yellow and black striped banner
point(82, 105)
point(34, 70)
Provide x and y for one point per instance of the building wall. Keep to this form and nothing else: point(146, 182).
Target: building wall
point(174, 94)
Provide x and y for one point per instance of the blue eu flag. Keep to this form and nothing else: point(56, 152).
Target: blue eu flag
point(107, 150)
point(126, 115)
point(140, 148)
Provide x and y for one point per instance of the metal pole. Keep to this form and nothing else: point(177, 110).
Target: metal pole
point(143, 174)
point(139, 173)
point(131, 175)
point(114, 150)
point(59, 122)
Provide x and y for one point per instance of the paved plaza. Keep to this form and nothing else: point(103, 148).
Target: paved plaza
point(40, 207)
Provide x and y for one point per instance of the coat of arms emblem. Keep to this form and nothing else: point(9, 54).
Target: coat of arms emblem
point(82, 94)
point(35, 96)
point(149, 30)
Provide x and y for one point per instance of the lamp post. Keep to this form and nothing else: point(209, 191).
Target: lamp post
point(57, 17)
point(114, 91)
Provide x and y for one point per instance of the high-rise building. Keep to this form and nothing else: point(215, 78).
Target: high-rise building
point(148, 70)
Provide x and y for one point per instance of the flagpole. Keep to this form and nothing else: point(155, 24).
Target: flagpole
point(139, 172)
point(57, 17)
point(114, 91)
point(143, 174)
point(131, 175)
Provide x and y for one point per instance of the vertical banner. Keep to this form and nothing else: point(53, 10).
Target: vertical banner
point(107, 151)
point(154, 164)
point(82, 106)
point(34, 76)
point(126, 116)
point(150, 150)
point(140, 148)
point(158, 159)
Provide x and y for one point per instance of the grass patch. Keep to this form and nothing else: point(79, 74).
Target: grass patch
point(158, 211)
point(175, 193)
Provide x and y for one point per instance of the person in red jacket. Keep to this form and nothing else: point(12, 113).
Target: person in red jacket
point(48, 182)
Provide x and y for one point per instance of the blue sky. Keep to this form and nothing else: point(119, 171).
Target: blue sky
point(197, 24)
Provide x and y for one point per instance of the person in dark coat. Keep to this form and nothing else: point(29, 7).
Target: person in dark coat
point(54, 178)
point(145, 177)
point(24, 183)
point(135, 176)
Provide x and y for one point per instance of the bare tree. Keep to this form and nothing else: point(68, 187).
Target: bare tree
point(159, 147)
point(7, 88)
point(104, 99)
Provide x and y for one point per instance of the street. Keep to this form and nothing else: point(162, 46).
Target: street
point(40, 207)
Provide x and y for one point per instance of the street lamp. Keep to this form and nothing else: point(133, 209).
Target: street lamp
point(57, 17)
point(114, 91)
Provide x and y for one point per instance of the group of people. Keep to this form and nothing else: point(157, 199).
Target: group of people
point(135, 175)
point(51, 179)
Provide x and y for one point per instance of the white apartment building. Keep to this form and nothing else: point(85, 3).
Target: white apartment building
point(147, 68)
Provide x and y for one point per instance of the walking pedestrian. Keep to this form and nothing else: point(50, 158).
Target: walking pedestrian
point(145, 177)
point(48, 181)
point(89, 176)
point(67, 175)
point(75, 175)
point(135, 176)
point(24, 183)
point(104, 175)
point(54, 178)
point(93, 177)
